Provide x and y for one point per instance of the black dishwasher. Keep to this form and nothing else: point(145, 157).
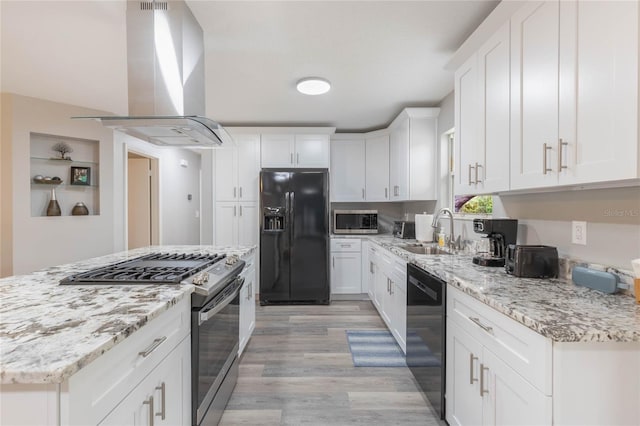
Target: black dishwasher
point(426, 312)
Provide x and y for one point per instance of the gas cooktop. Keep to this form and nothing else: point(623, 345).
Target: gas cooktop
point(155, 268)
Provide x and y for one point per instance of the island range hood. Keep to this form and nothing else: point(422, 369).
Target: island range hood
point(165, 69)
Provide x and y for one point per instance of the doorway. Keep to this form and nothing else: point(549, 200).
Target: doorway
point(142, 200)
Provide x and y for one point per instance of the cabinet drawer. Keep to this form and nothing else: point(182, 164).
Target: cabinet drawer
point(524, 350)
point(345, 244)
point(96, 389)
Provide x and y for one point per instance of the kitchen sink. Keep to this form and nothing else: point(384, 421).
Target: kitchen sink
point(423, 249)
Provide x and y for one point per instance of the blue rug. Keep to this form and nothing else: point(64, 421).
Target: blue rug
point(378, 348)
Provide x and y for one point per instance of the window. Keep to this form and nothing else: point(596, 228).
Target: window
point(465, 204)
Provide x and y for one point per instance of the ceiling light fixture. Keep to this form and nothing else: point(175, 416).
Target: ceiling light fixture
point(313, 86)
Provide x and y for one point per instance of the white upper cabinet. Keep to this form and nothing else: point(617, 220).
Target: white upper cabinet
point(574, 93)
point(289, 150)
point(278, 151)
point(598, 91)
point(534, 95)
point(377, 168)
point(348, 169)
point(312, 151)
point(491, 165)
point(237, 170)
point(412, 155)
point(466, 134)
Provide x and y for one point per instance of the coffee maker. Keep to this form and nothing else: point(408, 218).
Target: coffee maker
point(501, 233)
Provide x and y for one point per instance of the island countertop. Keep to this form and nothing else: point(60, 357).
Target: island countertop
point(554, 308)
point(48, 332)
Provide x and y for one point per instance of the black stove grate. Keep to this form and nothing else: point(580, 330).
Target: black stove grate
point(155, 268)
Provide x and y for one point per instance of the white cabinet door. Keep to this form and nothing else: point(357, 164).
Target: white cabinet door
point(162, 398)
point(248, 167)
point(226, 221)
point(371, 282)
point(534, 95)
point(348, 170)
point(312, 151)
point(226, 174)
point(248, 232)
point(247, 309)
point(508, 399)
point(464, 354)
point(491, 166)
point(399, 319)
point(466, 134)
point(345, 273)
point(277, 151)
point(598, 91)
point(377, 168)
point(399, 161)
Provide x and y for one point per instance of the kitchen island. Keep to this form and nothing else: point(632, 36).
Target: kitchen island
point(51, 336)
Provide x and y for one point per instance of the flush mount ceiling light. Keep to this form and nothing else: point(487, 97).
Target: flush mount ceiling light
point(313, 86)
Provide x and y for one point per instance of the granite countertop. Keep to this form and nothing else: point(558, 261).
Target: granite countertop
point(48, 332)
point(555, 308)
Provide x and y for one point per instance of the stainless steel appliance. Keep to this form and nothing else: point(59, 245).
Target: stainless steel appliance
point(355, 221)
point(294, 236)
point(532, 261)
point(404, 229)
point(215, 317)
point(426, 334)
point(501, 233)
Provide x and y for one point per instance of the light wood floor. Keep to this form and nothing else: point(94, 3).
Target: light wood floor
point(297, 370)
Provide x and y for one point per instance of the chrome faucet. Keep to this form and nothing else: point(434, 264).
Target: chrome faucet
point(453, 243)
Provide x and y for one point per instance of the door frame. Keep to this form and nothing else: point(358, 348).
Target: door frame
point(155, 195)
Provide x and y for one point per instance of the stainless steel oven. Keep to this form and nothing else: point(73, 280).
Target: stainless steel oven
point(355, 221)
point(214, 363)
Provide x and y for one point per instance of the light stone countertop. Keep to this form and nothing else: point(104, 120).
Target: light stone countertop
point(554, 308)
point(48, 332)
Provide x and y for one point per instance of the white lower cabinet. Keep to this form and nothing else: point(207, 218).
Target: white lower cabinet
point(387, 288)
point(247, 302)
point(346, 266)
point(159, 398)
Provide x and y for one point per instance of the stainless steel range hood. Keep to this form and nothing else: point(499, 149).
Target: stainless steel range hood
point(165, 68)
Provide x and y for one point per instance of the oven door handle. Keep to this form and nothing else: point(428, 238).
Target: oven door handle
point(205, 315)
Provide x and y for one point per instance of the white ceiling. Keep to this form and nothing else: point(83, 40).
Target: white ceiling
point(380, 56)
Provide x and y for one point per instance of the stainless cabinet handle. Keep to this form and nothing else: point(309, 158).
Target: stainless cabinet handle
point(363, 193)
point(482, 389)
point(386, 193)
point(545, 169)
point(478, 166)
point(234, 210)
point(240, 192)
point(149, 402)
point(470, 167)
point(163, 407)
point(152, 347)
point(391, 292)
point(333, 261)
point(234, 192)
point(298, 158)
point(561, 144)
point(292, 158)
point(240, 210)
point(371, 267)
point(481, 325)
point(471, 378)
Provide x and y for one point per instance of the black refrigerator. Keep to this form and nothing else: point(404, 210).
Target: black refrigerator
point(294, 236)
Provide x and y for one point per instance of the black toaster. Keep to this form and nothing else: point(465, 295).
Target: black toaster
point(404, 229)
point(531, 261)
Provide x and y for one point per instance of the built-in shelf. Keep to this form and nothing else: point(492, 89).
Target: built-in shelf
point(85, 156)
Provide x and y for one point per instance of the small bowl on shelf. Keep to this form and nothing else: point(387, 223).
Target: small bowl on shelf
point(47, 180)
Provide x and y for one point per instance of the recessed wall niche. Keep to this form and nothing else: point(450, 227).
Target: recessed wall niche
point(76, 165)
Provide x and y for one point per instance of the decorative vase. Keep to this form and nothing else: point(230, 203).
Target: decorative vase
point(53, 209)
point(80, 209)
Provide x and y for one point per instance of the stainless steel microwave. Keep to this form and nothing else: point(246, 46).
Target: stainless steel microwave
point(355, 221)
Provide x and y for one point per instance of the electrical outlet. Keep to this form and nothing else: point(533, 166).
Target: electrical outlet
point(579, 232)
